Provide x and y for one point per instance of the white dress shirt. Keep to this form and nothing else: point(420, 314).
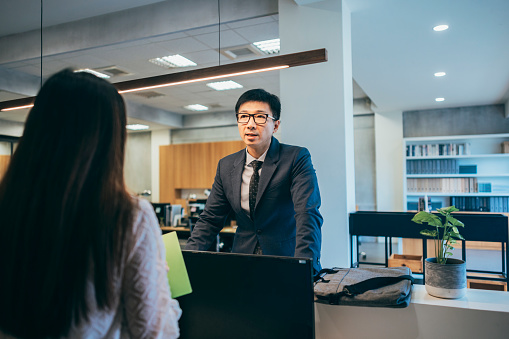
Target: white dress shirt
point(246, 178)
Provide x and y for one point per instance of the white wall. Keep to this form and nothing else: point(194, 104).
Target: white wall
point(5, 148)
point(365, 174)
point(389, 161)
point(157, 138)
point(317, 112)
point(11, 128)
point(137, 165)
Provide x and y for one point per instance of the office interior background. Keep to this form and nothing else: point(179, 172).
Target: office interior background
point(382, 82)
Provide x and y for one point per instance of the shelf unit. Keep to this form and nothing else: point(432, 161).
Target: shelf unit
point(457, 169)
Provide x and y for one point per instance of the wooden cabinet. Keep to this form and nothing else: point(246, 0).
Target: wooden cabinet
point(190, 166)
point(4, 163)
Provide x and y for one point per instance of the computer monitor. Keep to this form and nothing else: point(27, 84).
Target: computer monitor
point(175, 215)
point(163, 213)
point(247, 296)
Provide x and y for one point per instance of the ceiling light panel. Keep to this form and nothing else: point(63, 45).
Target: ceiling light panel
point(224, 85)
point(196, 108)
point(439, 99)
point(137, 127)
point(268, 46)
point(91, 71)
point(440, 74)
point(172, 61)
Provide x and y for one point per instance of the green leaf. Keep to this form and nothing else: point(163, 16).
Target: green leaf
point(448, 253)
point(427, 217)
point(429, 233)
point(447, 210)
point(456, 222)
point(453, 241)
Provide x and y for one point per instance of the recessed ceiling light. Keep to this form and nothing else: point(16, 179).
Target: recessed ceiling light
point(268, 46)
point(91, 71)
point(439, 99)
point(137, 127)
point(439, 74)
point(196, 107)
point(172, 61)
point(224, 85)
point(440, 28)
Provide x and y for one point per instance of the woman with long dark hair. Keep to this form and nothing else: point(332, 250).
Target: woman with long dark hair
point(79, 256)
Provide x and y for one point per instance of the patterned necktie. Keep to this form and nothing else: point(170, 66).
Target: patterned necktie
point(253, 186)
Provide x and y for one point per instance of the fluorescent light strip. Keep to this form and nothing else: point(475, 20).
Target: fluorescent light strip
point(439, 99)
point(179, 83)
point(205, 79)
point(15, 108)
point(439, 74)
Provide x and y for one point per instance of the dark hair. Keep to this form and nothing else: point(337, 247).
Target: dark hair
point(261, 95)
point(65, 213)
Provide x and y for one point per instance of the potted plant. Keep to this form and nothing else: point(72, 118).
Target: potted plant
point(444, 277)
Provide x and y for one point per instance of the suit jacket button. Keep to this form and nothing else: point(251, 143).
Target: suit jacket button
point(259, 231)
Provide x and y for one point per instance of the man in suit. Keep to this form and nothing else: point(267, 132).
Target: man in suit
point(271, 187)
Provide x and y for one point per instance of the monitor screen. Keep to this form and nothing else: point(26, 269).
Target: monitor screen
point(163, 213)
point(247, 296)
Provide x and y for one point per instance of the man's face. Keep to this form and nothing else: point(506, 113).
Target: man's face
point(257, 136)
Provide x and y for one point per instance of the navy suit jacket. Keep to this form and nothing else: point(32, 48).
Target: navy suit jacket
point(286, 218)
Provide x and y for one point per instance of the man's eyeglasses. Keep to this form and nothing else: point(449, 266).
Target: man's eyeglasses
point(259, 118)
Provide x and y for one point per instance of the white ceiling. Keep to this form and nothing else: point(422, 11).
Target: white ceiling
point(395, 52)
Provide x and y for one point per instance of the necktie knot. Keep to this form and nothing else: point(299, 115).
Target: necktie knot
point(256, 165)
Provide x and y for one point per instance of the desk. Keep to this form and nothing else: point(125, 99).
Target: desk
point(479, 314)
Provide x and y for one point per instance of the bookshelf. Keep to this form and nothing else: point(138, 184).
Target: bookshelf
point(468, 171)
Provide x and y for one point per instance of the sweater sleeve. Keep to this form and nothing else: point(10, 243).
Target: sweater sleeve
point(150, 312)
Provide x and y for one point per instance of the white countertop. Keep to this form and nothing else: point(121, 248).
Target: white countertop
point(482, 300)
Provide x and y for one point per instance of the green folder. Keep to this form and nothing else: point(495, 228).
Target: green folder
point(177, 275)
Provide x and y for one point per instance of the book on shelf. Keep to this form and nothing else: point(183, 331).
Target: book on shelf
point(482, 204)
point(434, 150)
point(432, 166)
point(442, 185)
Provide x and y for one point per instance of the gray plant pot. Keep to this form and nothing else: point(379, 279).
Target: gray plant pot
point(446, 281)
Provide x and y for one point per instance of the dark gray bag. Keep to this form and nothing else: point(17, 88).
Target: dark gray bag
point(375, 287)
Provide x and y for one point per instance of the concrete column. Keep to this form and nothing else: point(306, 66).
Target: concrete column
point(158, 138)
point(389, 161)
point(317, 111)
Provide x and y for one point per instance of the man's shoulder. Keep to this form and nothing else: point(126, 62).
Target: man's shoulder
point(292, 149)
point(233, 157)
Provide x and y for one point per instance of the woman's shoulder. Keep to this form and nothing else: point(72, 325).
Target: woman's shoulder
point(144, 216)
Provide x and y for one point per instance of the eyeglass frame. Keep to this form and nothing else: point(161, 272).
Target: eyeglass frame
point(253, 116)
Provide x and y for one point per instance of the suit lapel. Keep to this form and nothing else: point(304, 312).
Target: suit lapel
point(236, 178)
point(268, 168)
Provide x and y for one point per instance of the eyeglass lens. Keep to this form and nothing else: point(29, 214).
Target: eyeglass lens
point(258, 118)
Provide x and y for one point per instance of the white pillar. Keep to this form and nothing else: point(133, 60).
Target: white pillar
point(158, 138)
point(317, 111)
point(389, 161)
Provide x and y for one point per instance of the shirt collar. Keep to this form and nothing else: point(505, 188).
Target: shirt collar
point(250, 158)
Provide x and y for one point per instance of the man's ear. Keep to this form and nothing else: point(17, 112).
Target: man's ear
point(276, 125)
